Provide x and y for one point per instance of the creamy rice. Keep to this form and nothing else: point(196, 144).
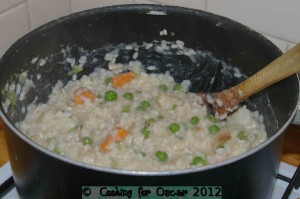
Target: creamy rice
point(159, 135)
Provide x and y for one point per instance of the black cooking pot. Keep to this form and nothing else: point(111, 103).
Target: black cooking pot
point(39, 173)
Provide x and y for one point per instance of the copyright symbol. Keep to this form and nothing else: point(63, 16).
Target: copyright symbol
point(86, 191)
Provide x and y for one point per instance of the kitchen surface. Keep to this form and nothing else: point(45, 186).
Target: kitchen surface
point(3, 146)
point(275, 19)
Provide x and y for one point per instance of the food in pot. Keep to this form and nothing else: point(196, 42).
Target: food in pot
point(131, 120)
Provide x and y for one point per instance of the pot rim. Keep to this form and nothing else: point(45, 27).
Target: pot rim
point(154, 8)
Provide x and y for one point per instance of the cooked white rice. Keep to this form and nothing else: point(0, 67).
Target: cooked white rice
point(77, 131)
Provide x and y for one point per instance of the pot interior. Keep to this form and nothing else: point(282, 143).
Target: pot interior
point(221, 43)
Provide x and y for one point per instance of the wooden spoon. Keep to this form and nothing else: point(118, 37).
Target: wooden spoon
point(282, 67)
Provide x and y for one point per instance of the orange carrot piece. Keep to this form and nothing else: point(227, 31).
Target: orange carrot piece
point(83, 92)
point(104, 145)
point(120, 135)
point(122, 79)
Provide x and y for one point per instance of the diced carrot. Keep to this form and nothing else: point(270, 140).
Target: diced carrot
point(122, 79)
point(198, 128)
point(120, 135)
point(104, 145)
point(83, 92)
point(221, 139)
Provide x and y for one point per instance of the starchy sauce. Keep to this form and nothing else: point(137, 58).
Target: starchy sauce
point(137, 121)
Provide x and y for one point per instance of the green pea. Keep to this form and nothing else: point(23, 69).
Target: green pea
point(146, 132)
point(12, 97)
point(163, 87)
point(87, 140)
point(177, 87)
point(42, 117)
point(111, 96)
point(72, 129)
point(241, 135)
point(114, 164)
point(126, 109)
point(75, 70)
point(161, 156)
point(139, 108)
point(174, 127)
point(212, 118)
point(22, 78)
point(128, 96)
point(160, 117)
point(107, 80)
point(213, 129)
point(149, 122)
point(143, 105)
point(194, 120)
point(143, 154)
point(198, 160)
point(57, 151)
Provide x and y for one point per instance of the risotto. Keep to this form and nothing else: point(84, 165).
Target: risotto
point(137, 121)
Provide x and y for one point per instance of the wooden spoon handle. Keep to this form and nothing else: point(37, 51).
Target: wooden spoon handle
point(282, 67)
